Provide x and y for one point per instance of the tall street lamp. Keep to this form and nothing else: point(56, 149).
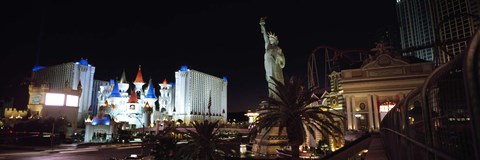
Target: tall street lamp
point(52, 134)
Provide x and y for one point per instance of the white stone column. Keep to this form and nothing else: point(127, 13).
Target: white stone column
point(349, 113)
point(355, 125)
point(375, 112)
point(371, 121)
point(401, 96)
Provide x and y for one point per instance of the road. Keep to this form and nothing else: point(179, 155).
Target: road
point(98, 152)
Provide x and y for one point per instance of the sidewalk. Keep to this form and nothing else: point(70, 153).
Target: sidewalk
point(8, 148)
point(376, 149)
point(61, 147)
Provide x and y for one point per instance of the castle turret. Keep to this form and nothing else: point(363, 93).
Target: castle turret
point(115, 97)
point(148, 119)
point(133, 107)
point(166, 97)
point(150, 94)
point(123, 78)
point(133, 97)
point(123, 85)
point(115, 90)
point(150, 98)
point(138, 82)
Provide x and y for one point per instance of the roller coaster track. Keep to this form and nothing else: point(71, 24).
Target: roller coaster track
point(331, 57)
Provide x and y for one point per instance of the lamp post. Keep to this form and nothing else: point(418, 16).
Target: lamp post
point(52, 134)
point(143, 130)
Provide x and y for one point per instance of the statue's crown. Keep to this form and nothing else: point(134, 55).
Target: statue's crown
point(272, 35)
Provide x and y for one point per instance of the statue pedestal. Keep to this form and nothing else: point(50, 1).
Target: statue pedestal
point(267, 143)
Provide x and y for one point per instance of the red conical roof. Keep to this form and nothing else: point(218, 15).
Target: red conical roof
point(139, 77)
point(133, 97)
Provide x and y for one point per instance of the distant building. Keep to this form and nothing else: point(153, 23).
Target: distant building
point(57, 103)
point(367, 93)
point(63, 90)
point(13, 113)
point(252, 116)
point(136, 106)
point(69, 91)
point(93, 109)
point(116, 106)
point(166, 99)
point(423, 22)
point(199, 96)
point(102, 128)
point(10, 115)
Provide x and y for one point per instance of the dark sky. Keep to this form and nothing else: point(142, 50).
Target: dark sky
point(217, 37)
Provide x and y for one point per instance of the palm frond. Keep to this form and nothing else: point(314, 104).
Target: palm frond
point(204, 143)
point(292, 110)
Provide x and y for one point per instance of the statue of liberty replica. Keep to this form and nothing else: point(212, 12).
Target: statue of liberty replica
point(274, 59)
point(267, 143)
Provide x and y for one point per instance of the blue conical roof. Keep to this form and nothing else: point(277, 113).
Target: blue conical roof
point(115, 90)
point(150, 91)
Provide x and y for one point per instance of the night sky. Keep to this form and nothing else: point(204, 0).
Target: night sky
point(217, 37)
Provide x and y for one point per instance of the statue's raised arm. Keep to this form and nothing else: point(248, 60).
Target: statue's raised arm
point(264, 32)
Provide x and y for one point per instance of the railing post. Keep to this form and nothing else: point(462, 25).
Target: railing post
point(427, 124)
point(472, 86)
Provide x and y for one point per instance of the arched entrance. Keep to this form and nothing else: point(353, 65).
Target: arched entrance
point(99, 135)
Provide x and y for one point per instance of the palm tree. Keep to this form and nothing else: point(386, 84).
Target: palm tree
point(165, 148)
point(293, 111)
point(204, 143)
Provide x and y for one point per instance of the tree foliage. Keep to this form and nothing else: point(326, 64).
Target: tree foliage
point(204, 143)
point(295, 112)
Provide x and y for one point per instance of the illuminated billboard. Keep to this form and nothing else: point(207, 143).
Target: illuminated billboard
point(59, 99)
point(54, 99)
point(72, 101)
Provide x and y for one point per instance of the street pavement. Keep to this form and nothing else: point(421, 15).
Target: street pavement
point(11, 151)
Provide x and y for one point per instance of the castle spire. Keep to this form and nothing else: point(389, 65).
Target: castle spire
point(151, 90)
point(123, 78)
point(115, 90)
point(133, 97)
point(139, 77)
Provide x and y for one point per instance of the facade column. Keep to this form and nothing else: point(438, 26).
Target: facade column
point(349, 113)
point(371, 121)
point(355, 125)
point(375, 111)
point(401, 96)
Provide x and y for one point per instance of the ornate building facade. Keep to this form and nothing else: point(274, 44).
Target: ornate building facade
point(134, 106)
point(116, 106)
point(367, 93)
